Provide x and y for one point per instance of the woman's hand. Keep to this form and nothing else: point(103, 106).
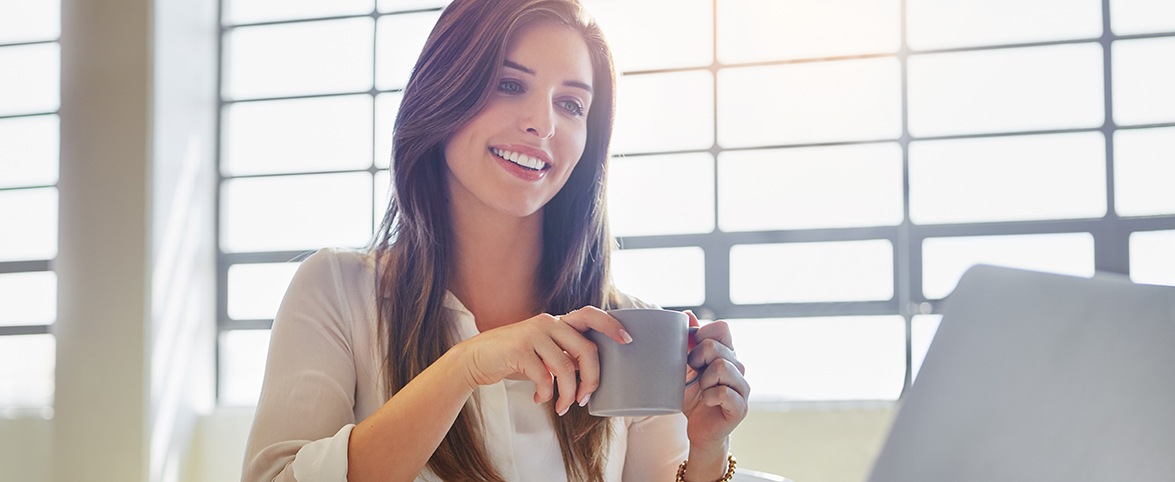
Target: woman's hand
point(543, 349)
point(716, 404)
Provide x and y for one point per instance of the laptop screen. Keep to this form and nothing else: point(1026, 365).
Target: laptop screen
point(1041, 377)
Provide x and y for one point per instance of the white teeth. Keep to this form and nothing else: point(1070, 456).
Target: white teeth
point(521, 159)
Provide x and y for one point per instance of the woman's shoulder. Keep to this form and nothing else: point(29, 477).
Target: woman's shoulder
point(344, 261)
point(348, 269)
point(355, 258)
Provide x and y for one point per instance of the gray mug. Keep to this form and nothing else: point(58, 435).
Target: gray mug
point(647, 376)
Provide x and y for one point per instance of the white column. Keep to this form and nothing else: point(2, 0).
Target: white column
point(101, 391)
point(135, 263)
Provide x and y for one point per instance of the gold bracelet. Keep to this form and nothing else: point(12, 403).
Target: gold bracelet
point(725, 478)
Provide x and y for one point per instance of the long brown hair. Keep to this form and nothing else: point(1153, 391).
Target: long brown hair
point(450, 85)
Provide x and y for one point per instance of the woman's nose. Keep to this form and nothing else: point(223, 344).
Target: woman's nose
point(539, 120)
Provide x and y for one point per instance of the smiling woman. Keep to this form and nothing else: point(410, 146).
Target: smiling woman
point(453, 348)
point(544, 87)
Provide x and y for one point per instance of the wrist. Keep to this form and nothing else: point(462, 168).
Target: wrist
point(707, 451)
point(707, 462)
point(457, 366)
point(686, 473)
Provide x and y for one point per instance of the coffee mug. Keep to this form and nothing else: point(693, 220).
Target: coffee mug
point(647, 376)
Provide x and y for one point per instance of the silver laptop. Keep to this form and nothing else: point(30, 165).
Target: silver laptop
point(1043, 378)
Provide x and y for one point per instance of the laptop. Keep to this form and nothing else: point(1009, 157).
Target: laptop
point(1044, 378)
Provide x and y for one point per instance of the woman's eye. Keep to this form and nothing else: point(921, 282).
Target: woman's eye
point(574, 107)
point(510, 87)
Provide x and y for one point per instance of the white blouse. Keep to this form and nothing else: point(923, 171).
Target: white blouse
point(323, 376)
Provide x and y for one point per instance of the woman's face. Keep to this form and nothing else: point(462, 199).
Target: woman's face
point(516, 154)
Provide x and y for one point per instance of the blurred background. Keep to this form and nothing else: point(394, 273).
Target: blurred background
point(817, 172)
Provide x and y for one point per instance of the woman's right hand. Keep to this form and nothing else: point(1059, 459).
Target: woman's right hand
point(543, 349)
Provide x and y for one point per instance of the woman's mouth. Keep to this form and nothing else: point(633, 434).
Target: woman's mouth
point(523, 160)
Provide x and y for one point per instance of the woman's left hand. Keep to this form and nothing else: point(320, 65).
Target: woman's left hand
point(717, 402)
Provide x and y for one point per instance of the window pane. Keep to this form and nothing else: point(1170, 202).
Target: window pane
point(1144, 71)
point(29, 218)
point(665, 276)
point(934, 24)
point(643, 38)
point(26, 370)
point(1129, 17)
point(296, 212)
point(400, 5)
point(810, 187)
point(1014, 178)
point(1151, 261)
point(242, 366)
point(248, 11)
point(945, 259)
point(30, 153)
point(810, 102)
point(1144, 171)
point(299, 135)
point(756, 31)
point(298, 59)
point(400, 38)
point(37, 88)
point(256, 290)
point(922, 332)
point(28, 298)
point(670, 194)
point(1005, 90)
point(29, 20)
point(835, 358)
point(811, 272)
point(657, 112)
point(387, 107)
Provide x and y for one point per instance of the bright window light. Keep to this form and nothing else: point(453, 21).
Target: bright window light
point(944, 260)
point(812, 272)
point(834, 358)
point(666, 194)
point(1015, 178)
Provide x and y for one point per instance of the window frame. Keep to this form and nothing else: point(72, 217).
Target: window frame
point(1111, 233)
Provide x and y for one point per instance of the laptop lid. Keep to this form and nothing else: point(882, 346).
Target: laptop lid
point(1044, 378)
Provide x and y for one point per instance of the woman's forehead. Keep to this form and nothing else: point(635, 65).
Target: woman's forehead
point(550, 49)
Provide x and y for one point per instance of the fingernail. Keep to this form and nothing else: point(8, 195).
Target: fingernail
point(625, 336)
point(583, 401)
point(565, 409)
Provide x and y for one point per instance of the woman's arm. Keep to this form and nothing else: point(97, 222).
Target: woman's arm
point(305, 424)
point(307, 400)
point(396, 441)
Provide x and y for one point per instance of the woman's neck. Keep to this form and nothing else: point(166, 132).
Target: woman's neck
point(497, 261)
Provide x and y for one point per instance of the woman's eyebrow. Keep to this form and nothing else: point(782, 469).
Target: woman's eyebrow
point(570, 83)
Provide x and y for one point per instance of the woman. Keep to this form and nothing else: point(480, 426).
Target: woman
point(434, 355)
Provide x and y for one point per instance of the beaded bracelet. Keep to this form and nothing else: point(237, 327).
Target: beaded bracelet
point(725, 478)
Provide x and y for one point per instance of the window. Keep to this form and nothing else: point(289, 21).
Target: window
point(288, 129)
point(819, 178)
point(29, 131)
